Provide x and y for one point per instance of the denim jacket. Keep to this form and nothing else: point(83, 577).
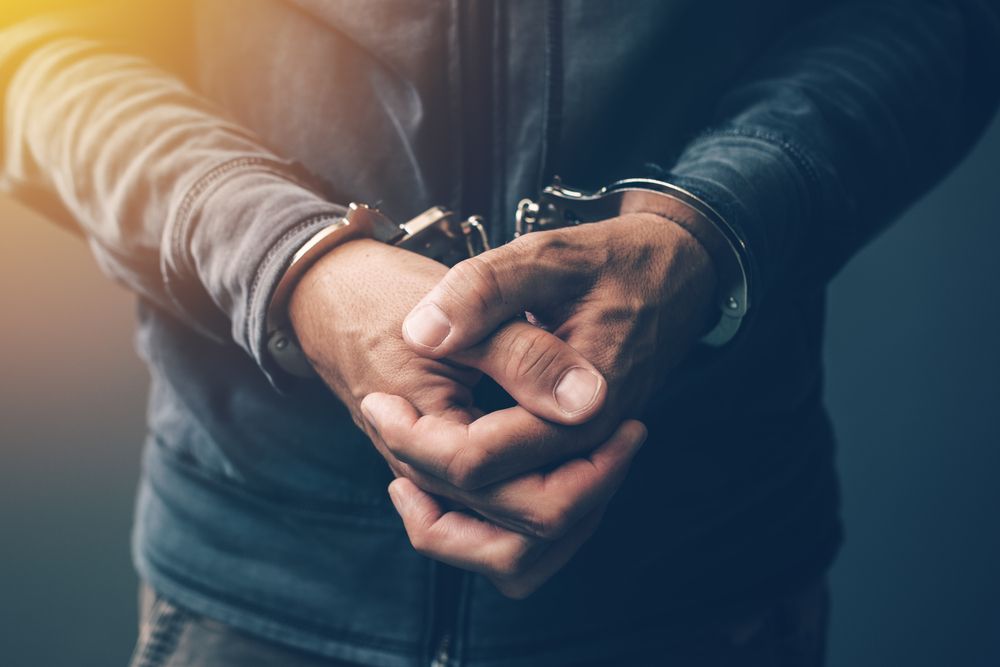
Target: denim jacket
point(197, 147)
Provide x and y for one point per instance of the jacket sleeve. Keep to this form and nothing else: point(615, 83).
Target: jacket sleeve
point(184, 207)
point(845, 122)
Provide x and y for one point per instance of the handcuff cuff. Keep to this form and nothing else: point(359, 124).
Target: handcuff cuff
point(436, 233)
point(439, 234)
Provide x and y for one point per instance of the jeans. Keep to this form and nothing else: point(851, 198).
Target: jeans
point(790, 632)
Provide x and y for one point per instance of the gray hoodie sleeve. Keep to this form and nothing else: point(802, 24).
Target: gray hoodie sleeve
point(846, 121)
point(184, 207)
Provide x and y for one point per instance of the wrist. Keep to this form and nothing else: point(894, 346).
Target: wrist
point(282, 343)
point(716, 239)
point(332, 311)
point(339, 273)
point(559, 206)
point(687, 276)
point(435, 234)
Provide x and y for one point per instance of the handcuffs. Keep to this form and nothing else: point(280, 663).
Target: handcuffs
point(439, 234)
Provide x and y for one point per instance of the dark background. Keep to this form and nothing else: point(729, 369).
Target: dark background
point(912, 363)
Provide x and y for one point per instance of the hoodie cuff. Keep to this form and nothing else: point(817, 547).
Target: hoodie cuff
point(230, 241)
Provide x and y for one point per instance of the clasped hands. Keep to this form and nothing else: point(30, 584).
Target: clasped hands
point(402, 341)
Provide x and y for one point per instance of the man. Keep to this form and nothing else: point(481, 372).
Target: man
point(786, 134)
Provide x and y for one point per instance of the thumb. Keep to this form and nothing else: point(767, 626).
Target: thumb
point(476, 296)
point(543, 373)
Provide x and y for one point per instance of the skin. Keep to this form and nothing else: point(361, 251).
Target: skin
point(514, 493)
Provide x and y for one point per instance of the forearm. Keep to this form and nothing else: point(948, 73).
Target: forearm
point(186, 208)
point(850, 117)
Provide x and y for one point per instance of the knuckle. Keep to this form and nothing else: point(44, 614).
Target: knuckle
point(510, 565)
point(398, 448)
point(525, 246)
point(477, 277)
point(549, 523)
point(530, 354)
point(420, 531)
point(465, 469)
point(561, 248)
point(537, 245)
point(516, 589)
point(506, 567)
point(419, 541)
point(557, 240)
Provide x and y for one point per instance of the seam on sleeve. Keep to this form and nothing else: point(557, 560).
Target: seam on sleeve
point(175, 261)
point(178, 228)
point(799, 155)
point(823, 189)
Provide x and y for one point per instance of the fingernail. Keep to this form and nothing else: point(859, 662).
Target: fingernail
point(577, 389)
point(395, 496)
point(427, 326)
point(366, 410)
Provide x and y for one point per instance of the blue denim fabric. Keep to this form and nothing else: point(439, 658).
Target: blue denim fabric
point(788, 632)
point(809, 125)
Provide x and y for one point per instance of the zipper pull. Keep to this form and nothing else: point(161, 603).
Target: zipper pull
point(441, 656)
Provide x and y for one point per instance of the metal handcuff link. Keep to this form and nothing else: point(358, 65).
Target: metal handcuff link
point(441, 235)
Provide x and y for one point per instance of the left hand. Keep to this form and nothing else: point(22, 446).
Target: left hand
point(632, 294)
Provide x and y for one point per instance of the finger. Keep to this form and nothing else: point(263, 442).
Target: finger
point(548, 504)
point(454, 414)
point(478, 294)
point(544, 374)
point(523, 584)
point(497, 446)
point(516, 564)
point(458, 538)
point(544, 504)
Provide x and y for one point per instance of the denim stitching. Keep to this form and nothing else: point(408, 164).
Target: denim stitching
point(802, 158)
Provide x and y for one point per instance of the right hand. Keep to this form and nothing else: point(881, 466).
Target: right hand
point(347, 312)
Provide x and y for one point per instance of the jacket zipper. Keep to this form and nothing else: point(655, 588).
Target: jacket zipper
point(441, 655)
point(477, 48)
point(476, 35)
point(552, 109)
point(448, 583)
point(476, 39)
